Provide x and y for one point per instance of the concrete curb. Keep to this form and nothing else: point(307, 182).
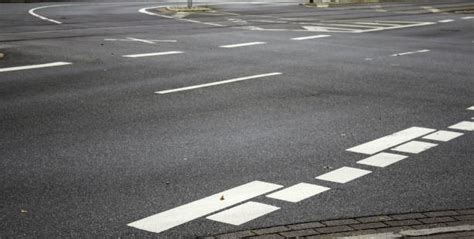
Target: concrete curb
point(421, 223)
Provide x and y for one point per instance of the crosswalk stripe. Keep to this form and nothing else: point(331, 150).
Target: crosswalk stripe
point(243, 213)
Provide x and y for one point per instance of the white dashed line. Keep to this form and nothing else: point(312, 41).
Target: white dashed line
point(464, 125)
point(243, 44)
point(467, 18)
point(29, 67)
point(431, 9)
point(32, 12)
point(389, 141)
point(243, 213)
point(217, 83)
point(298, 192)
point(153, 54)
point(309, 37)
point(382, 159)
point(446, 21)
point(410, 52)
point(414, 147)
point(188, 212)
point(343, 175)
point(443, 136)
point(470, 108)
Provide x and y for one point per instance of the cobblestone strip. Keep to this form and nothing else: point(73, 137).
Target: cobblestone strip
point(358, 226)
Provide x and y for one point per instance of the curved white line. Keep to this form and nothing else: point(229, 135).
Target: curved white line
point(32, 12)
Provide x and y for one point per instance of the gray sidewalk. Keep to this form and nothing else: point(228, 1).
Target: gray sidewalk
point(433, 224)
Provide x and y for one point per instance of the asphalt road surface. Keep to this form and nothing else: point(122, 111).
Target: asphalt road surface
point(124, 120)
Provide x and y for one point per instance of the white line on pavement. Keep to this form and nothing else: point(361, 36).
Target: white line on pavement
point(188, 212)
point(443, 136)
point(153, 54)
point(243, 44)
point(19, 68)
point(343, 175)
point(382, 159)
point(243, 213)
point(431, 9)
point(396, 27)
point(464, 125)
point(32, 12)
point(298, 192)
point(309, 37)
point(389, 141)
point(410, 52)
point(446, 21)
point(217, 83)
point(467, 18)
point(414, 147)
point(470, 108)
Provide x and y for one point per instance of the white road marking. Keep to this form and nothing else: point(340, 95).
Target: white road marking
point(32, 12)
point(443, 135)
point(382, 159)
point(414, 147)
point(298, 192)
point(19, 68)
point(446, 21)
point(188, 212)
point(343, 175)
point(243, 213)
point(464, 125)
point(146, 11)
point(132, 39)
point(309, 37)
point(389, 141)
point(243, 44)
point(431, 9)
point(470, 108)
point(153, 54)
point(410, 52)
point(397, 27)
point(467, 18)
point(217, 83)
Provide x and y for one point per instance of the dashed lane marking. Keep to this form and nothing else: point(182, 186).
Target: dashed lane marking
point(243, 213)
point(446, 21)
point(443, 136)
point(382, 160)
point(470, 108)
point(298, 192)
point(29, 67)
point(133, 39)
point(188, 212)
point(343, 175)
point(410, 52)
point(414, 147)
point(431, 9)
point(243, 44)
point(153, 54)
point(32, 12)
point(309, 37)
point(467, 18)
point(464, 125)
point(217, 83)
point(389, 141)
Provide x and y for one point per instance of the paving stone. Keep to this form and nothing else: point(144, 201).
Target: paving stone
point(300, 233)
point(427, 226)
point(465, 217)
point(334, 229)
point(374, 219)
point(460, 223)
point(371, 225)
point(465, 211)
point(340, 222)
point(408, 216)
point(437, 219)
point(403, 223)
point(441, 213)
point(393, 229)
point(235, 235)
point(306, 225)
point(271, 230)
point(268, 236)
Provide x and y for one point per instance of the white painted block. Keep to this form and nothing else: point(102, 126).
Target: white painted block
point(188, 212)
point(389, 141)
point(414, 147)
point(309, 37)
point(382, 159)
point(243, 44)
point(29, 67)
point(153, 54)
point(243, 213)
point(470, 108)
point(298, 192)
point(443, 136)
point(343, 175)
point(464, 125)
